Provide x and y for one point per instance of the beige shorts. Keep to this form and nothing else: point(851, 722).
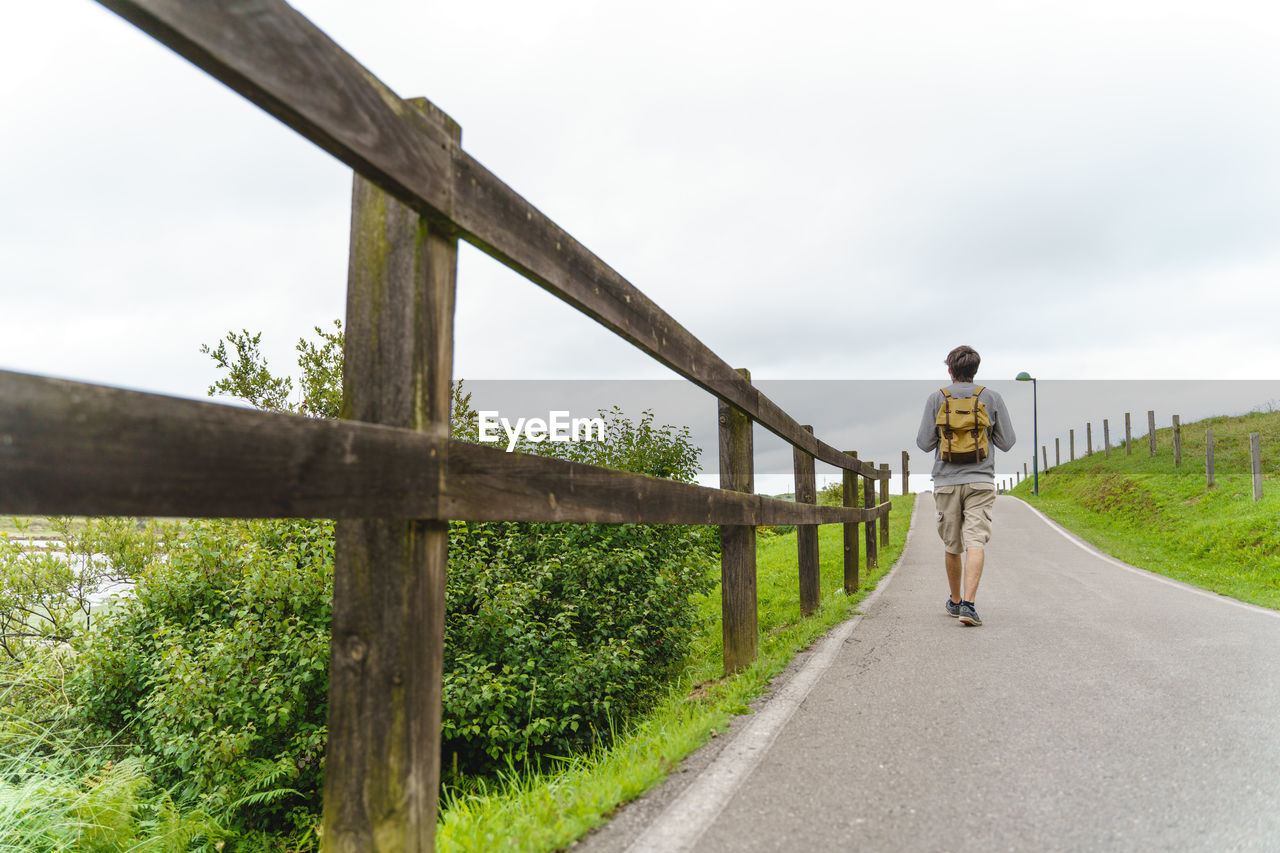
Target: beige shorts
point(964, 515)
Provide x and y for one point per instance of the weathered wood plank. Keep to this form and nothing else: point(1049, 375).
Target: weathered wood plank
point(807, 534)
point(77, 449)
point(739, 612)
point(489, 484)
point(850, 531)
point(885, 474)
point(1255, 464)
point(1208, 459)
point(868, 499)
point(1177, 440)
point(279, 60)
point(382, 769)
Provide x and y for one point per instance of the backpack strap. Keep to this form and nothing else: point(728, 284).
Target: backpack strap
point(979, 390)
point(945, 392)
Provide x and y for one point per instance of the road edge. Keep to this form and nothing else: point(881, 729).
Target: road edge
point(683, 820)
point(1089, 548)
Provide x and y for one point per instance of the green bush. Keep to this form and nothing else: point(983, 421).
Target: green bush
point(555, 631)
point(216, 669)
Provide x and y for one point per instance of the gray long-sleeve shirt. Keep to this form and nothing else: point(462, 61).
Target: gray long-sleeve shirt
point(1001, 435)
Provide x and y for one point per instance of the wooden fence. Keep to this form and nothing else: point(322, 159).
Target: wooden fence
point(1255, 450)
point(389, 470)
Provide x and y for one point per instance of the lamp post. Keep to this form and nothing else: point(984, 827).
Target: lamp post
point(1035, 431)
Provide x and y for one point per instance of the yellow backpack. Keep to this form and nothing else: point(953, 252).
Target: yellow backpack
point(962, 428)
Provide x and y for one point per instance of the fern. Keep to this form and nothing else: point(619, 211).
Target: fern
point(263, 785)
point(112, 808)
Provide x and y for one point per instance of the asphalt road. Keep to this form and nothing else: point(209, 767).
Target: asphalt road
point(1097, 708)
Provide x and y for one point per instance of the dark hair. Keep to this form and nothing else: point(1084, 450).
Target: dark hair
point(963, 363)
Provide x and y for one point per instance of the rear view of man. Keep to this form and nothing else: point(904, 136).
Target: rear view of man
point(963, 423)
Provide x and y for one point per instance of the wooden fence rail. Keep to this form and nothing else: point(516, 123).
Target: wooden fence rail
point(389, 471)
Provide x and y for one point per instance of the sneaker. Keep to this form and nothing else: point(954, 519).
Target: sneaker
point(968, 616)
point(953, 609)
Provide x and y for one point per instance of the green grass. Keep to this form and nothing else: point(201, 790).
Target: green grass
point(1161, 517)
point(544, 812)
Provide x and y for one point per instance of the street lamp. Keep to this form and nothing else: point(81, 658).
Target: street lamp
point(1035, 432)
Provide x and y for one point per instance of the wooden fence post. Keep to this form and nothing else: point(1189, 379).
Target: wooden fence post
point(382, 769)
point(1106, 438)
point(906, 477)
point(1088, 439)
point(884, 498)
point(1255, 464)
point(1071, 440)
point(1024, 470)
point(807, 534)
point(1128, 435)
point(1057, 452)
point(850, 531)
point(1208, 458)
point(869, 501)
point(1044, 455)
point(1151, 429)
point(1177, 440)
point(739, 617)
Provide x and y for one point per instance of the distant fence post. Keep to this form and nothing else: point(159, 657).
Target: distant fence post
point(738, 541)
point(1255, 464)
point(806, 534)
point(1208, 458)
point(1071, 442)
point(1057, 452)
point(850, 531)
point(869, 501)
point(1151, 429)
point(1177, 440)
point(1128, 435)
point(1024, 470)
point(906, 477)
point(382, 768)
point(1044, 453)
point(1088, 439)
point(1106, 438)
point(885, 474)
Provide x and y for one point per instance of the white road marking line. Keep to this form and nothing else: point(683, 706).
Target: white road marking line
point(686, 818)
point(1090, 549)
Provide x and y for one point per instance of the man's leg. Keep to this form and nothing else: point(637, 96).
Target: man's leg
point(973, 560)
point(955, 570)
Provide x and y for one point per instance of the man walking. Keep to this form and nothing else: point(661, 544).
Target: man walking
point(960, 424)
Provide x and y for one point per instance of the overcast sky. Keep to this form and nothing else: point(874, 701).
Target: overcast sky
point(816, 190)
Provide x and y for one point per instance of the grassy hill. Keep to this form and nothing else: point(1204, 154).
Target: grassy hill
point(1162, 517)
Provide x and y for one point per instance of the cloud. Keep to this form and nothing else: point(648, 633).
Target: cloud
point(815, 190)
